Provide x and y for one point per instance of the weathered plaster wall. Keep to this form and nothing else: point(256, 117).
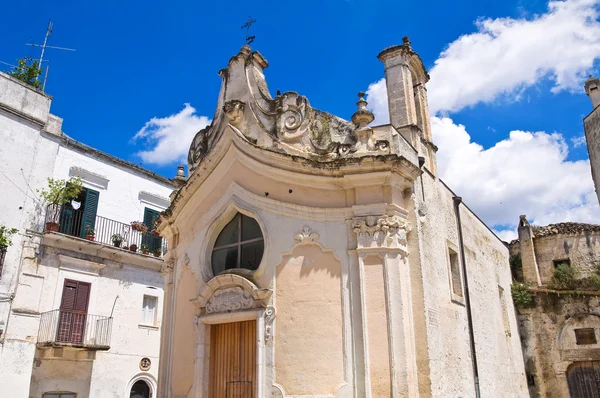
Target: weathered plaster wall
point(591, 126)
point(498, 350)
point(27, 155)
point(309, 344)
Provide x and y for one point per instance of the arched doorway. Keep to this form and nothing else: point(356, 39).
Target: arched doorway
point(584, 379)
point(140, 389)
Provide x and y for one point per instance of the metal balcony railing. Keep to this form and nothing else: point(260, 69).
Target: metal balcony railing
point(74, 329)
point(77, 223)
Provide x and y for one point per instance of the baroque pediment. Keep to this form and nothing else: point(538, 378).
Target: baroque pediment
point(286, 123)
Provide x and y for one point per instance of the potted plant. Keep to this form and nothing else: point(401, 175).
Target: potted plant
point(133, 247)
point(90, 232)
point(157, 252)
point(56, 194)
point(117, 239)
point(145, 248)
point(139, 226)
point(6, 237)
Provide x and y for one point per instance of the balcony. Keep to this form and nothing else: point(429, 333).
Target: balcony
point(77, 223)
point(60, 328)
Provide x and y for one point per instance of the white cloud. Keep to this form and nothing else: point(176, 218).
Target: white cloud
point(526, 173)
point(169, 138)
point(507, 55)
point(578, 141)
point(507, 235)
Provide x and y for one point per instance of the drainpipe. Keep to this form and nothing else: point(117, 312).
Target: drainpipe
point(457, 201)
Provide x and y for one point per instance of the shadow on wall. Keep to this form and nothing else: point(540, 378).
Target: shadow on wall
point(310, 258)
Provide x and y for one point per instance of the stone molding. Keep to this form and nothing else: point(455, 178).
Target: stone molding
point(229, 299)
point(374, 233)
point(229, 292)
point(306, 235)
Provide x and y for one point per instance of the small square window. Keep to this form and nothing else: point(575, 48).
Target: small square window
point(149, 310)
point(455, 273)
point(563, 261)
point(585, 336)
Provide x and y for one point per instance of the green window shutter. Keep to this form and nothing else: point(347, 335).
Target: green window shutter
point(154, 242)
point(90, 210)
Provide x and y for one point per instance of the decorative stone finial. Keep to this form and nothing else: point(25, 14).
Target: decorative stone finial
point(592, 90)
point(362, 117)
point(179, 180)
point(406, 42)
point(180, 171)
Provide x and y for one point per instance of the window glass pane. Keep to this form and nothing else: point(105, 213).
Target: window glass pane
point(149, 310)
point(252, 254)
point(229, 234)
point(224, 259)
point(250, 229)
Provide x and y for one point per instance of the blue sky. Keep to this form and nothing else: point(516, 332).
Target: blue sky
point(504, 74)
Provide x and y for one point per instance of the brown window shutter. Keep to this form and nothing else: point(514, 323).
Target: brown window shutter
point(82, 297)
point(68, 296)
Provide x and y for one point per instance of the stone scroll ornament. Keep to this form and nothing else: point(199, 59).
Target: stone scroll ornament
point(306, 235)
point(229, 299)
point(381, 232)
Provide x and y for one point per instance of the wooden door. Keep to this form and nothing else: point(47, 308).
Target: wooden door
point(73, 311)
point(584, 379)
point(233, 360)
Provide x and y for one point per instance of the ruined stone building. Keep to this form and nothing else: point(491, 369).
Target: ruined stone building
point(560, 327)
point(79, 317)
point(312, 256)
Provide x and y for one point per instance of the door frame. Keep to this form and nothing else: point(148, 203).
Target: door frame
point(262, 316)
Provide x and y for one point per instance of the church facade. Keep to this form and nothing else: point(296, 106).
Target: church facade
point(310, 256)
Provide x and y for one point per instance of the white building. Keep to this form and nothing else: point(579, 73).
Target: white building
point(78, 318)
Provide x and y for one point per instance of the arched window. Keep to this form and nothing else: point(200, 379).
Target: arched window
point(140, 389)
point(239, 245)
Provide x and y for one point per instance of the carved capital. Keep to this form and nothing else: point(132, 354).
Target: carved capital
point(167, 267)
point(380, 232)
point(306, 235)
point(229, 299)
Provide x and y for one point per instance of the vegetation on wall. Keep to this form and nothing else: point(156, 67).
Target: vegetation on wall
point(522, 297)
point(58, 193)
point(564, 277)
point(28, 71)
point(6, 236)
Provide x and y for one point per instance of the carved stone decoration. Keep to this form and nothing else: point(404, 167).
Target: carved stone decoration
point(234, 110)
point(145, 364)
point(277, 391)
point(199, 147)
point(306, 235)
point(167, 267)
point(269, 318)
point(377, 232)
point(229, 299)
point(186, 261)
point(291, 110)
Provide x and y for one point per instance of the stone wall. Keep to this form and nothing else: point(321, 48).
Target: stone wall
point(591, 125)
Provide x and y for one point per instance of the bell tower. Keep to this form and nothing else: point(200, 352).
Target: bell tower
point(406, 79)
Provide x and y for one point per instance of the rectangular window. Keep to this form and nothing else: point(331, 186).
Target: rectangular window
point(563, 261)
point(153, 242)
point(585, 336)
point(455, 273)
point(149, 310)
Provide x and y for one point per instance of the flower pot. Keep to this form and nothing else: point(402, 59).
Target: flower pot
point(90, 237)
point(52, 226)
point(146, 251)
point(156, 254)
point(116, 243)
point(133, 248)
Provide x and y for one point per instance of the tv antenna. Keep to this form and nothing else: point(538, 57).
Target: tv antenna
point(44, 47)
point(247, 25)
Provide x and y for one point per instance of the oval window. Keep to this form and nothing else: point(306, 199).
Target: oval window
point(239, 245)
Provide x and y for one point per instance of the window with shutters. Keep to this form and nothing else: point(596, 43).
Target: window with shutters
point(239, 245)
point(80, 213)
point(153, 242)
point(73, 311)
point(149, 310)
